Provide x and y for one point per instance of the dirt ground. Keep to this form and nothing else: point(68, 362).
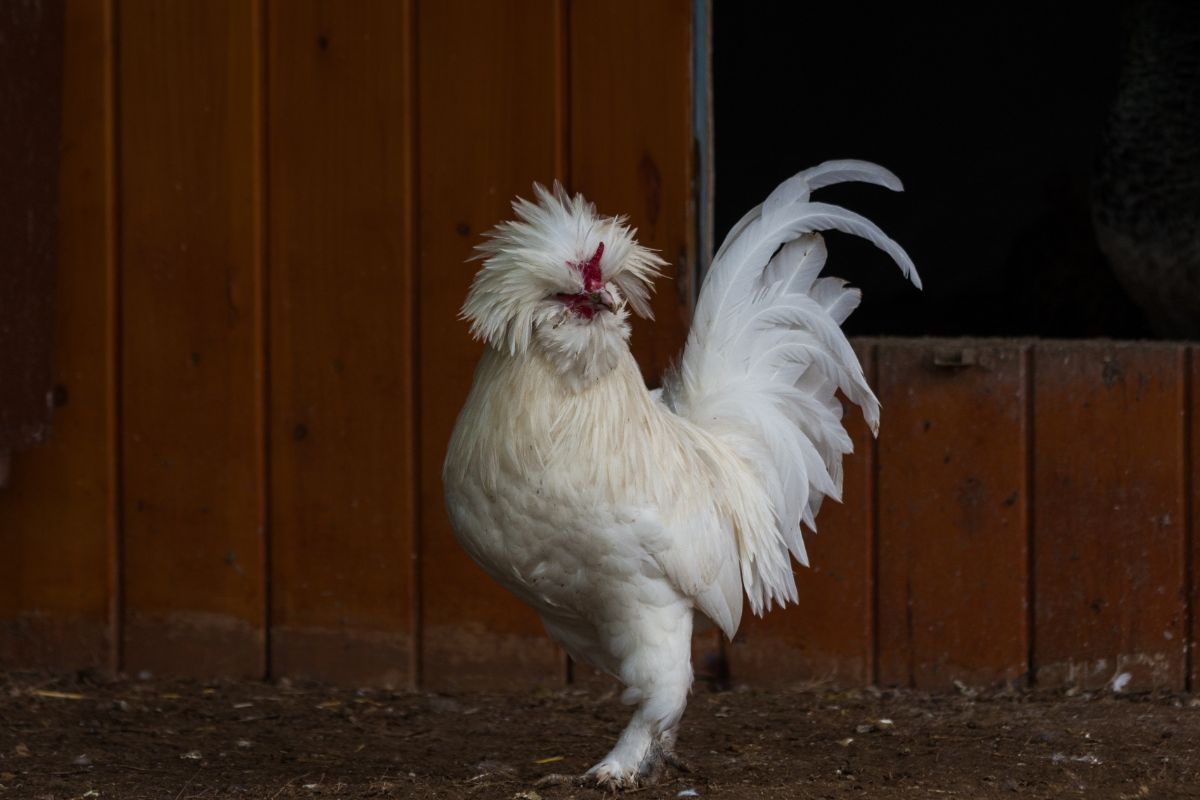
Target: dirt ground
point(87, 737)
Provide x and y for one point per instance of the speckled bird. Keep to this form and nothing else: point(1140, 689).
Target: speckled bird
point(621, 513)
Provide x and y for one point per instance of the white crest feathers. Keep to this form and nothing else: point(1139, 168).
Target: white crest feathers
point(528, 259)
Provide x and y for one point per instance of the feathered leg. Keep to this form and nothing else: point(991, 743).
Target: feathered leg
point(658, 673)
point(649, 650)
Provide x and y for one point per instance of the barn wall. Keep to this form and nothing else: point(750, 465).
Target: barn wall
point(1026, 516)
point(58, 514)
point(265, 212)
point(30, 76)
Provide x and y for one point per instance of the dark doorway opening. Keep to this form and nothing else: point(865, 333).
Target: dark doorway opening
point(994, 115)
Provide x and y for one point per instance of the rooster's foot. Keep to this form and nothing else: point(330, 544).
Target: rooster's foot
point(611, 776)
point(607, 778)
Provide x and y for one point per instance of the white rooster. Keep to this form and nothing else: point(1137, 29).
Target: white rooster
point(619, 513)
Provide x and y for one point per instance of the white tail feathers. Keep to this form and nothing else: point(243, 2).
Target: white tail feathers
point(766, 355)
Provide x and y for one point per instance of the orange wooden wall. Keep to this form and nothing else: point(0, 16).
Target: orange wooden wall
point(266, 212)
point(1027, 515)
point(266, 208)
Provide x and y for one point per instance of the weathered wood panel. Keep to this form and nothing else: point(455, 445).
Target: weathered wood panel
point(1109, 515)
point(56, 515)
point(342, 348)
point(1192, 414)
point(1192, 497)
point(368, 368)
point(491, 122)
point(828, 636)
point(631, 148)
point(952, 513)
point(31, 63)
point(191, 370)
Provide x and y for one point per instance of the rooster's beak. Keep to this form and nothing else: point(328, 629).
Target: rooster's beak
point(603, 299)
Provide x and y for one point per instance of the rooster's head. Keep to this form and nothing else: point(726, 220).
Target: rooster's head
point(559, 280)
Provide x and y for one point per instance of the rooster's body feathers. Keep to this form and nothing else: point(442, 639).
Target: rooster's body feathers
point(617, 512)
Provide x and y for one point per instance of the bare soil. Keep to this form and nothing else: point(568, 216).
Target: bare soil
point(89, 737)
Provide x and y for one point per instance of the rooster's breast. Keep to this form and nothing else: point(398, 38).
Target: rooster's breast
point(564, 553)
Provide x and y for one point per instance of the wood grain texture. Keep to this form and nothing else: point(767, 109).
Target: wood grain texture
point(31, 63)
point(828, 636)
point(1109, 514)
point(191, 381)
point(55, 516)
point(1192, 415)
point(631, 145)
point(357, 249)
point(341, 341)
point(952, 513)
point(491, 123)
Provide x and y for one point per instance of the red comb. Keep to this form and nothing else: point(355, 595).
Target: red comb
point(592, 282)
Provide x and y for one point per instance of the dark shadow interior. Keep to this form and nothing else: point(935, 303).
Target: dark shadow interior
point(994, 115)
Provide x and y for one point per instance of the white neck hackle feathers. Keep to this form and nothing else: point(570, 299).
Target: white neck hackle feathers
point(748, 426)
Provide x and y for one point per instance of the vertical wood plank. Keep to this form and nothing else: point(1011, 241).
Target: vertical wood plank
point(31, 61)
point(1192, 415)
point(491, 123)
point(828, 636)
point(631, 147)
point(55, 593)
point(342, 300)
point(952, 557)
point(192, 384)
point(1109, 514)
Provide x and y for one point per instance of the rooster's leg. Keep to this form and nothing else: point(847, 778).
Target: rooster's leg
point(658, 673)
